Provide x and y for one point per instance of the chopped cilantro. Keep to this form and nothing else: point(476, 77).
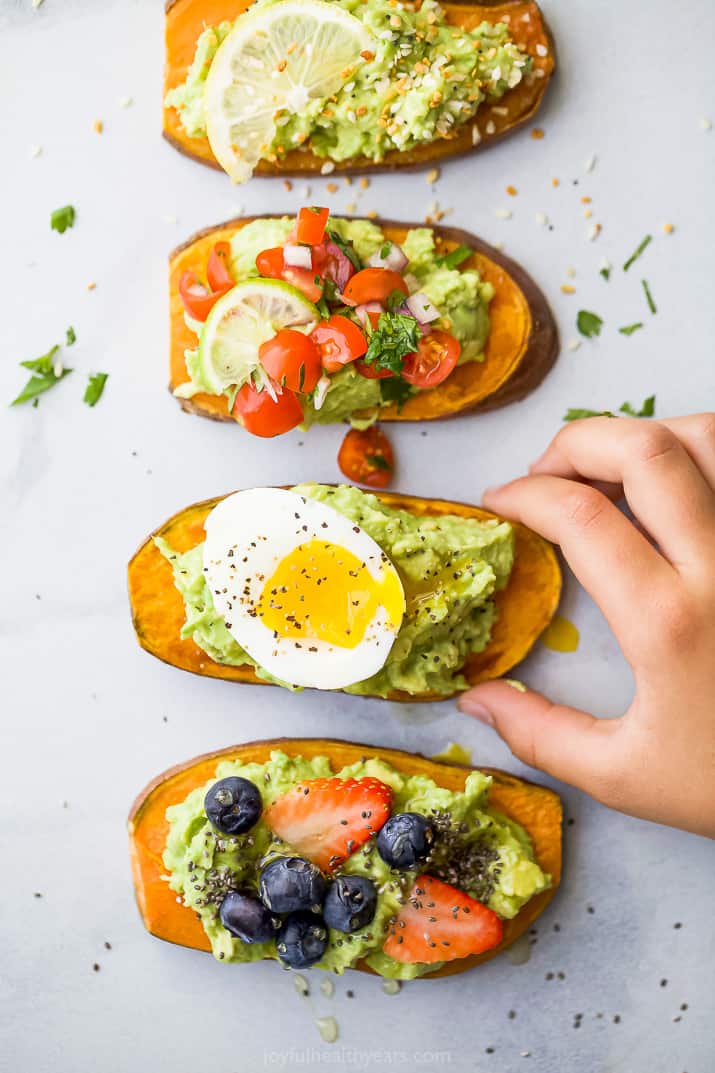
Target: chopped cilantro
point(95, 387)
point(396, 391)
point(648, 296)
point(637, 252)
point(646, 410)
point(70, 336)
point(589, 324)
point(454, 258)
point(628, 329)
point(346, 248)
point(62, 218)
point(576, 414)
point(378, 462)
point(385, 249)
point(395, 336)
point(605, 272)
point(46, 372)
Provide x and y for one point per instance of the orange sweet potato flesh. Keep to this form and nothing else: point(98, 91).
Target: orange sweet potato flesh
point(521, 347)
point(185, 20)
point(536, 808)
point(526, 605)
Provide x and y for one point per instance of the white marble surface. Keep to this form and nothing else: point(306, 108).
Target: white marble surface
point(88, 718)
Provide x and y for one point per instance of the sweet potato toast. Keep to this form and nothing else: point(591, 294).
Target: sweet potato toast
point(536, 808)
point(521, 347)
point(185, 20)
point(525, 606)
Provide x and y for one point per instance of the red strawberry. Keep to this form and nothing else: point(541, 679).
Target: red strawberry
point(326, 820)
point(441, 923)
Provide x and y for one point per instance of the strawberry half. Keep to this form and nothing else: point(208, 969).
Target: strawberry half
point(326, 820)
point(441, 923)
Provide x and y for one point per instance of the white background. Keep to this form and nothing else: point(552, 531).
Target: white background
point(88, 718)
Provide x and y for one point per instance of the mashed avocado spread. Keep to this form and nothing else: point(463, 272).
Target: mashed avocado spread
point(476, 849)
point(461, 297)
point(450, 568)
point(423, 80)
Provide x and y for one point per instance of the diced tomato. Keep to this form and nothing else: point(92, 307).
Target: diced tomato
point(218, 272)
point(339, 341)
point(436, 357)
point(270, 263)
point(310, 228)
point(366, 457)
point(259, 414)
point(292, 360)
point(198, 300)
point(374, 285)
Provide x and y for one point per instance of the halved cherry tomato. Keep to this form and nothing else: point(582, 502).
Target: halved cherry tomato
point(371, 372)
point(270, 263)
point(198, 300)
point(437, 354)
point(259, 414)
point(310, 228)
point(292, 360)
point(374, 285)
point(218, 272)
point(366, 457)
point(339, 342)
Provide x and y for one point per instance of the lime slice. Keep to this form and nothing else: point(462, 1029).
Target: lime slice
point(276, 58)
point(248, 315)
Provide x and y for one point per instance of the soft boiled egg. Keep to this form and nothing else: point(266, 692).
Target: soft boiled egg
point(305, 592)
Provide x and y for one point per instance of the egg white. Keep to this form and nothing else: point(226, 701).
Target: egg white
point(247, 535)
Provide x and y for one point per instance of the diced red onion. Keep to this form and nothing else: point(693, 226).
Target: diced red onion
point(298, 256)
point(394, 259)
point(339, 267)
point(422, 308)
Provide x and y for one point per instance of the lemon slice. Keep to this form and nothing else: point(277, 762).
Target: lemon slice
point(276, 58)
point(248, 315)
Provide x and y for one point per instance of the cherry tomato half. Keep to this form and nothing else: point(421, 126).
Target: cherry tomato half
point(339, 342)
point(270, 263)
point(371, 372)
point(198, 300)
point(259, 414)
point(218, 272)
point(366, 457)
point(374, 285)
point(292, 360)
point(310, 227)
point(436, 357)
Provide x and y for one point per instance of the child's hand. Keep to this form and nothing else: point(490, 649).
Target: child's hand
point(658, 760)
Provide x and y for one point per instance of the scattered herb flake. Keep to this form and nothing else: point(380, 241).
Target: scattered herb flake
point(648, 296)
point(589, 324)
point(378, 462)
point(95, 387)
point(46, 372)
point(646, 410)
point(454, 258)
point(628, 329)
point(637, 252)
point(62, 218)
point(605, 272)
point(70, 336)
point(576, 414)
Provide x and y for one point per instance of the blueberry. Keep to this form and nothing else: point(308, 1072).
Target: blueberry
point(350, 903)
point(405, 840)
point(246, 917)
point(302, 940)
point(291, 883)
point(233, 805)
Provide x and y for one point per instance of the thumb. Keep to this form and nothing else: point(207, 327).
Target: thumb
point(564, 742)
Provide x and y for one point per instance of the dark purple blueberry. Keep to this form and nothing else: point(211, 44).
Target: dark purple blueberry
point(246, 917)
point(291, 883)
point(302, 940)
point(405, 840)
point(350, 903)
point(233, 805)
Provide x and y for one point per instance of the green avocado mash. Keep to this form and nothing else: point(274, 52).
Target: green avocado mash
point(460, 296)
point(490, 854)
point(450, 568)
point(426, 79)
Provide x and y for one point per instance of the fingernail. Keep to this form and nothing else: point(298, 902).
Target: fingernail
point(477, 710)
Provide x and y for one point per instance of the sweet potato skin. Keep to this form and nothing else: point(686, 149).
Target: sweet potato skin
point(536, 808)
point(185, 19)
point(521, 348)
point(525, 606)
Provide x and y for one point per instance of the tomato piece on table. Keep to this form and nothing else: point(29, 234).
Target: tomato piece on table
point(339, 342)
point(436, 357)
point(218, 271)
point(270, 263)
point(292, 359)
point(366, 457)
point(262, 416)
point(374, 285)
point(310, 228)
point(198, 300)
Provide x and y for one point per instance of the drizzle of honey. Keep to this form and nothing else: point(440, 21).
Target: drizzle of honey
point(560, 635)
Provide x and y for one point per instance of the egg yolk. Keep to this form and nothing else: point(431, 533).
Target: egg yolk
point(323, 592)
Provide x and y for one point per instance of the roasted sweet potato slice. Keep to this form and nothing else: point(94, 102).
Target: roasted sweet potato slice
point(536, 808)
point(526, 605)
point(185, 20)
point(521, 347)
